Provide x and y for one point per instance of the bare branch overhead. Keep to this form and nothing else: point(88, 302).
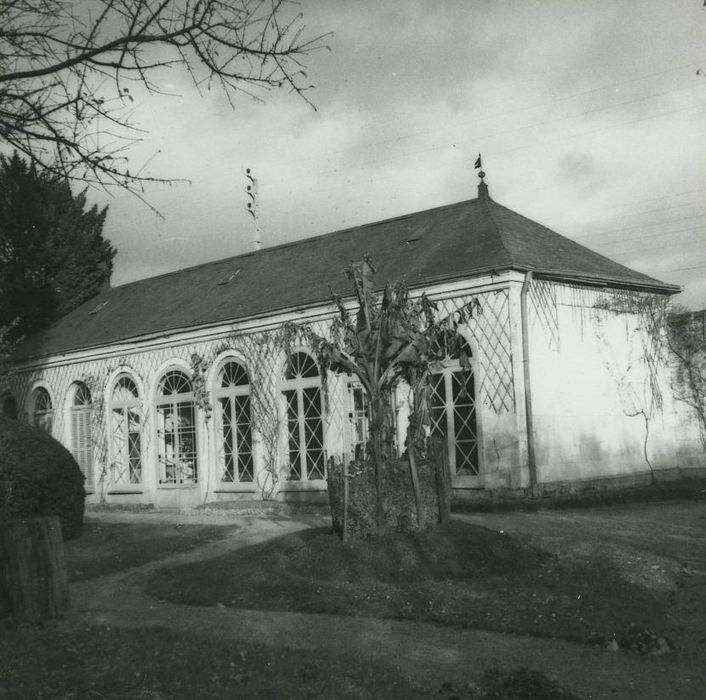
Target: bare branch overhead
point(69, 69)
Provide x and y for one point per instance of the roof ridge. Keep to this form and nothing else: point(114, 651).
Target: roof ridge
point(498, 232)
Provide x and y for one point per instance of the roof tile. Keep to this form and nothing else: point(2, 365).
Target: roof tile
point(453, 241)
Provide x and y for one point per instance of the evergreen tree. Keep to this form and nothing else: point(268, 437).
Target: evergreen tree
point(53, 256)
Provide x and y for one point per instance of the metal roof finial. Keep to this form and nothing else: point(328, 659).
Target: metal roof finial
point(482, 187)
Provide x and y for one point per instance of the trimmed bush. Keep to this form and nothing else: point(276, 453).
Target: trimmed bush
point(39, 477)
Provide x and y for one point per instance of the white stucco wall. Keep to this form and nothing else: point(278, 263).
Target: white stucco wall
point(600, 385)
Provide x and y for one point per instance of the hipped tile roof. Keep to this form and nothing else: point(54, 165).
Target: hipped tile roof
point(450, 242)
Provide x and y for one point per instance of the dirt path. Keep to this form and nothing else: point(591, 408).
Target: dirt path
point(428, 653)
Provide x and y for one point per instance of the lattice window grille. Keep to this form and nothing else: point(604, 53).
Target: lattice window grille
point(234, 420)
point(81, 432)
point(176, 430)
point(453, 415)
point(305, 425)
point(126, 432)
point(492, 334)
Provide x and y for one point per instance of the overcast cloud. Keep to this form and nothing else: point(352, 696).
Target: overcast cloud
point(590, 116)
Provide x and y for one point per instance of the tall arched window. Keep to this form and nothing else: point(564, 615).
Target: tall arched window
point(126, 432)
point(176, 430)
point(232, 394)
point(453, 412)
point(42, 414)
point(305, 427)
point(80, 426)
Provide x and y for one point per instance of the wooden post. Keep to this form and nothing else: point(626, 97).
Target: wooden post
point(415, 476)
point(443, 479)
point(33, 567)
point(346, 486)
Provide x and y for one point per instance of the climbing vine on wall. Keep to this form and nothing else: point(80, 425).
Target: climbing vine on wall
point(651, 314)
point(202, 397)
point(96, 384)
point(265, 409)
point(650, 311)
point(687, 343)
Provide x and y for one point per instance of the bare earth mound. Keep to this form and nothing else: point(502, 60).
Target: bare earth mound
point(459, 574)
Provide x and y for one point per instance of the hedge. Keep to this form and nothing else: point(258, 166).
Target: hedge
point(39, 477)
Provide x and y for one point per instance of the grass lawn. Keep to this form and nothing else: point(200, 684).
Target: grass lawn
point(157, 664)
point(460, 574)
point(107, 547)
point(102, 663)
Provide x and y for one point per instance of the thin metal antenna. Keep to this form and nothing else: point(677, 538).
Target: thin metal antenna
point(251, 205)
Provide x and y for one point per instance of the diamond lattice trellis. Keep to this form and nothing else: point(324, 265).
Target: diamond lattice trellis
point(263, 355)
point(491, 331)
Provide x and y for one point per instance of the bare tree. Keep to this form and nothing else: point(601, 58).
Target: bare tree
point(68, 70)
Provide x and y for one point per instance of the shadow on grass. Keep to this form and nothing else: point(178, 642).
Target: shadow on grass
point(107, 548)
point(460, 574)
point(154, 664)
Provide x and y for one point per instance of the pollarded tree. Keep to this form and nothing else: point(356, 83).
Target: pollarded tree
point(53, 256)
point(69, 70)
point(392, 338)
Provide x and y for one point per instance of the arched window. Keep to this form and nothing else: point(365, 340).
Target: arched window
point(9, 406)
point(453, 411)
point(126, 432)
point(176, 430)
point(42, 411)
point(80, 426)
point(232, 394)
point(305, 428)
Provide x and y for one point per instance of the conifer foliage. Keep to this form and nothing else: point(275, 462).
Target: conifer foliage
point(53, 256)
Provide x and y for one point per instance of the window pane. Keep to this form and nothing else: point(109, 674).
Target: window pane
point(313, 433)
point(244, 438)
point(126, 427)
point(186, 442)
point(233, 374)
point(464, 417)
point(453, 415)
point(291, 399)
point(166, 444)
point(301, 364)
point(82, 396)
point(227, 438)
point(437, 404)
point(124, 391)
point(174, 382)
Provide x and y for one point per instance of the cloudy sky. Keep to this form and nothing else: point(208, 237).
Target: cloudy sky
point(590, 115)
